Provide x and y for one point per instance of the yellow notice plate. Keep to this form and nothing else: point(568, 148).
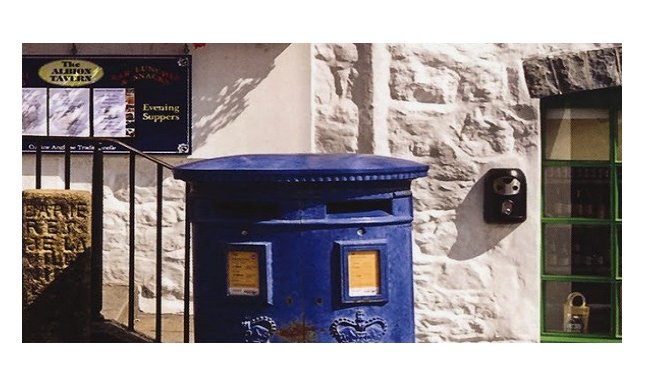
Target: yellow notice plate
point(243, 273)
point(364, 273)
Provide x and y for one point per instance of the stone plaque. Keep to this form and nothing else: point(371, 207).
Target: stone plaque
point(56, 265)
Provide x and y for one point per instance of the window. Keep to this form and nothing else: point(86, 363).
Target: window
point(581, 216)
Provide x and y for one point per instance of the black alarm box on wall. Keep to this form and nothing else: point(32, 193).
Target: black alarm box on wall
point(505, 196)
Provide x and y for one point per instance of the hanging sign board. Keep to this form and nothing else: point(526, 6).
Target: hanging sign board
point(142, 101)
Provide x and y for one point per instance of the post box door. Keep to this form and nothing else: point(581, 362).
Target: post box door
point(322, 289)
point(356, 287)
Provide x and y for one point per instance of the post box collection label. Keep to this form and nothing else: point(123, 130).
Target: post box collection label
point(364, 273)
point(243, 269)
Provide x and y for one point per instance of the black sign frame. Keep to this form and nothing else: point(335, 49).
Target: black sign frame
point(162, 87)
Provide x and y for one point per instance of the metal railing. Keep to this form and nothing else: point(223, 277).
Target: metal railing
point(97, 226)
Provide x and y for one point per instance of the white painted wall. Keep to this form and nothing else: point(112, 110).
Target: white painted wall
point(247, 98)
point(251, 98)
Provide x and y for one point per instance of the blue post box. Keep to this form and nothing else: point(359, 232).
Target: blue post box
point(302, 248)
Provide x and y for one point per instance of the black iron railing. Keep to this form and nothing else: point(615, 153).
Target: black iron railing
point(97, 226)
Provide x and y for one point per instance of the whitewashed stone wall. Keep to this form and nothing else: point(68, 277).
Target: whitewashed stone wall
point(462, 109)
point(116, 228)
point(336, 115)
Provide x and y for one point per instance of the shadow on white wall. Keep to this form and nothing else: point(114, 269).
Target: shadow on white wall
point(223, 75)
point(474, 236)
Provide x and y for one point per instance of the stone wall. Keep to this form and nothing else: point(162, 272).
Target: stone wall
point(462, 109)
point(335, 113)
point(571, 72)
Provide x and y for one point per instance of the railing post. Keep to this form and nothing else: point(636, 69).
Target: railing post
point(97, 233)
point(39, 164)
point(158, 288)
point(132, 250)
point(68, 166)
point(187, 268)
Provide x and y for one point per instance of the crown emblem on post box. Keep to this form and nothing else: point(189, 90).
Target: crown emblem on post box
point(259, 329)
point(359, 330)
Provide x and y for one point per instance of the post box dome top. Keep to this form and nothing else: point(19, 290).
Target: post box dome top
point(300, 168)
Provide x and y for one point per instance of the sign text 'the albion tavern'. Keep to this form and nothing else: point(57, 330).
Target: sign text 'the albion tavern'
point(70, 72)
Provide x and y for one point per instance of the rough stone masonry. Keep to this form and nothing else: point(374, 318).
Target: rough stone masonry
point(56, 265)
point(462, 109)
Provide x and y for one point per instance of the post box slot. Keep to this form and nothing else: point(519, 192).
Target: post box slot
point(359, 208)
point(246, 210)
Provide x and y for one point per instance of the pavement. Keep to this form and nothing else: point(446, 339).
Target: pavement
point(115, 307)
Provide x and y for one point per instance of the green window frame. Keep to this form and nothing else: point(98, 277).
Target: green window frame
point(581, 210)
